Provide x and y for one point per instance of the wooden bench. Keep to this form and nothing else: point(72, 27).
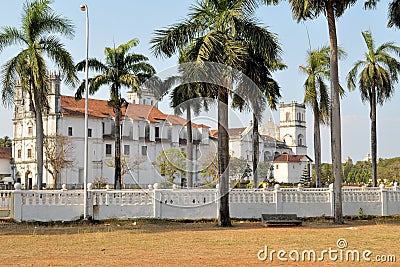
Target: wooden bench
point(280, 220)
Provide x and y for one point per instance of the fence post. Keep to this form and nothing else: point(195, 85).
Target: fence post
point(384, 200)
point(278, 198)
point(17, 203)
point(332, 199)
point(157, 202)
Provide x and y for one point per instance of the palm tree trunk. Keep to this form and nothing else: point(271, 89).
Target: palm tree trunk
point(256, 148)
point(223, 158)
point(39, 139)
point(117, 173)
point(336, 143)
point(189, 147)
point(373, 137)
point(317, 145)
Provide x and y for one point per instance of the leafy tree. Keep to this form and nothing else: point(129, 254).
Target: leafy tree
point(121, 69)
point(38, 40)
point(331, 9)
point(209, 172)
point(127, 165)
point(237, 168)
point(379, 71)
point(171, 163)
point(221, 32)
point(58, 152)
point(5, 142)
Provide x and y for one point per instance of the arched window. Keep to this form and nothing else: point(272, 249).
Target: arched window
point(287, 116)
point(300, 140)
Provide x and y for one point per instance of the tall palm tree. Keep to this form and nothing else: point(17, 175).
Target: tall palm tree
point(219, 31)
point(259, 70)
point(376, 74)
point(316, 96)
point(38, 39)
point(332, 9)
point(121, 69)
point(185, 98)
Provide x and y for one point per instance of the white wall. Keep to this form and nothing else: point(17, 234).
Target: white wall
point(196, 204)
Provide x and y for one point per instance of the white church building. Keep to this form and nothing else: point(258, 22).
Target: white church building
point(145, 132)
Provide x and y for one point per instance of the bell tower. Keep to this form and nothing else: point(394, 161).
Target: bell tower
point(293, 126)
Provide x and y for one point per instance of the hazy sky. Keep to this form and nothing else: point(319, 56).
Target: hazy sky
point(118, 21)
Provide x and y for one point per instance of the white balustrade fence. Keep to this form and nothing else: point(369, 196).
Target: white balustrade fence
point(64, 205)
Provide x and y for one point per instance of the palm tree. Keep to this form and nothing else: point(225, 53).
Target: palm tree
point(218, 31)
point(38, 38)
point(317, 96)
point(376, 74)
point(332, 9)
point(394, 14)
point(121, 69)
point(258, 69)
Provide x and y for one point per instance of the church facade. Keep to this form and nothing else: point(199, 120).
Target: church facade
point(145, 133)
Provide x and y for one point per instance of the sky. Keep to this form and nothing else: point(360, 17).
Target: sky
point(117, 21)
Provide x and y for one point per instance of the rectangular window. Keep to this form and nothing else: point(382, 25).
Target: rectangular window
point(69, 131)
point(19, 153)
point(103, 126)
point(157, 132)
point(126, 150)
point(144, 150)
point(29, 153)
point(89, 133)
point(30, 130)
point(108, 150)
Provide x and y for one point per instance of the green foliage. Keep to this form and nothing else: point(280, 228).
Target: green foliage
point(360, 172)
point(5, 142)
point(305, 178)
point(171, 163)
point(237, 168)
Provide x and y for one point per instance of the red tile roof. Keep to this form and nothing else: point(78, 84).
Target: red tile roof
point(101, 109)
point(97, 108)
point(290, 158)
point(5, 153)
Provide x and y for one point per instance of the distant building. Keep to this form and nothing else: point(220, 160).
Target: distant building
point(367, 158)
point(287, 138)
point(348, 160)
point(289, 168)
point(6, 165)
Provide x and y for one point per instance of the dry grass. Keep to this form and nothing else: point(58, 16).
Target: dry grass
point(162, 243)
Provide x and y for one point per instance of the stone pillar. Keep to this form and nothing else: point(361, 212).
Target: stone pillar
point(278, 198)
point(17, 203)
point(332, 200)
point(157, 202)
point(384, 200)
